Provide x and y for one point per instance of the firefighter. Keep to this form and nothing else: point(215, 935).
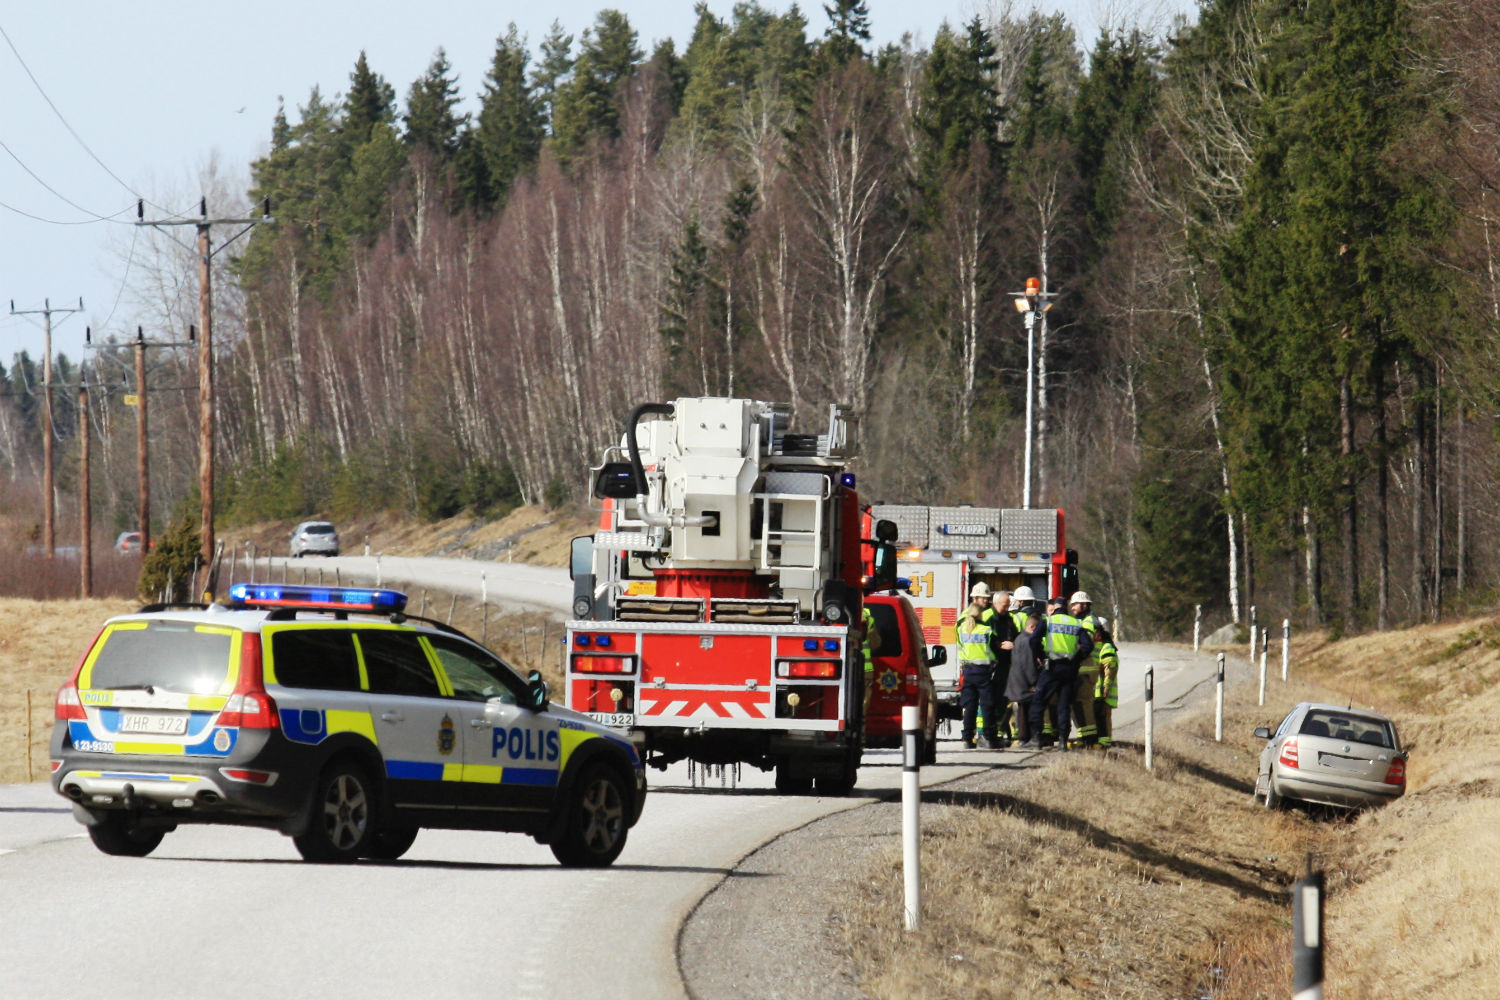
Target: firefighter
point(976, 657)
point(1080, 607)
point(1107, 690)
point(870, 643)
point(1062, 644)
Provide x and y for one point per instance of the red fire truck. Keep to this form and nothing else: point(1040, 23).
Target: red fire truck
point(944, 551)
point(717, 610)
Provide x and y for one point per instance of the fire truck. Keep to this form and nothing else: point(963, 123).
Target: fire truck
point(944, 551)
point(717, 609)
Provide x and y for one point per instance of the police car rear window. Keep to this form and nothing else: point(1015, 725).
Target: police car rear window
point(320, 658)
point(396, 663)
point(174, 656)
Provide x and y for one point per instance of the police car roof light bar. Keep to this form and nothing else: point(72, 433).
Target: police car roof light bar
point(280, 595)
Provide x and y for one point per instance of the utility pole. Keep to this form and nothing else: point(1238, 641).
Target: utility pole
point(85, 489)
point(1030, 303)
point(49, 533)
point(205, 226)
point(142, 459)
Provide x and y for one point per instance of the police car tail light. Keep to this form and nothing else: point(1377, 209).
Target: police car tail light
point(68, 704)
point(1289, 752)
point(249, 706)
point(603, 664)
point(803, 669)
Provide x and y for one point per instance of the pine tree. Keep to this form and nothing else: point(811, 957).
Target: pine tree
point(370, 102)
point(848, 32)
point(432, 120)
point(588, 105)
point(552, 71)
point(509, 131)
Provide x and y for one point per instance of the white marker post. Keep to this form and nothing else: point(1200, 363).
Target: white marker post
point(1197, 624)
point(1150, 685)
point(1286, 646)
point(1252, 635)
point(1219, 704)
point(1307, 937)
point(1262, 666)
point(911, 804)
point(377, 571)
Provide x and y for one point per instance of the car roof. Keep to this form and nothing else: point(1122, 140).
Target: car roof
point(253, 618)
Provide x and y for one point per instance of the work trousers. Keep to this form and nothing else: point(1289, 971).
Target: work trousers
point(1055, 684)
point(1020, 724)
point(1083, 705)
point(978, 698)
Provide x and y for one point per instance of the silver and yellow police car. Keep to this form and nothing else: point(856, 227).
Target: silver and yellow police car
point(330, 715)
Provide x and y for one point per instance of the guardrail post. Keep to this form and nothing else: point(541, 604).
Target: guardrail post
point(1219, 704)
point(1150, 688)
point(1307, 936)
point(911, 804)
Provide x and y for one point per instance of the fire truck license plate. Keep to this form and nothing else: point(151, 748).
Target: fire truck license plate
point(153, 723)
point(621, 719)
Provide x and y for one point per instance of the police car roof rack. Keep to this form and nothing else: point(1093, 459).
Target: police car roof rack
point(172, 606)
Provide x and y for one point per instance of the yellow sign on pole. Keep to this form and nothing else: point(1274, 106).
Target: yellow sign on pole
point(131, 399)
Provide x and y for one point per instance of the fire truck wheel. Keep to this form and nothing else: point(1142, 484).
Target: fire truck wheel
point(788, 785)
point(844, 782)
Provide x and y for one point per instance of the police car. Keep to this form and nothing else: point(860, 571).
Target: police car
point(328, 714)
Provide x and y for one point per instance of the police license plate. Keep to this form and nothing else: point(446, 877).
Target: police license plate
point(153, 723)
point(618, 719)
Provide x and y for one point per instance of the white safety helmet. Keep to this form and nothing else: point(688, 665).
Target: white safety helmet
point(980, 589)
point(1079, 597)
point(1023, 593)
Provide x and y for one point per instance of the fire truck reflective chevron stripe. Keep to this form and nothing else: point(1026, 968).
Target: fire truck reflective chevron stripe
point(732, 704)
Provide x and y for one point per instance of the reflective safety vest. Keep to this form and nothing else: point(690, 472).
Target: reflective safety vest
point(867, 618)
point(974, 640)
point(1061, 640)
point(1019, 618)
point(1108, 685)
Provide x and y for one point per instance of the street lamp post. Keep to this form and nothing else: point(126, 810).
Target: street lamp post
point(1029, 303)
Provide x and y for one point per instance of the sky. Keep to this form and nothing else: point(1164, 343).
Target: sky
point(102, 103)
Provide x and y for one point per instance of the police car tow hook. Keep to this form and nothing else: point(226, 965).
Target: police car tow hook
point(129, 798)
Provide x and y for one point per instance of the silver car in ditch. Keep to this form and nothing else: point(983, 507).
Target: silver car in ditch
point(317, 537)
point(1331, 755)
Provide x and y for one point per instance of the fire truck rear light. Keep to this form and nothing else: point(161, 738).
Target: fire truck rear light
point(603, 664)
point(603, 640)
point(811, 645)
point(580, 640)
point(803, 669)
point(831, 645)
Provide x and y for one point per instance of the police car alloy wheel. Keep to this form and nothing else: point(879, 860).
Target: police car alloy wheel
point(596, 827)
point(342, 820)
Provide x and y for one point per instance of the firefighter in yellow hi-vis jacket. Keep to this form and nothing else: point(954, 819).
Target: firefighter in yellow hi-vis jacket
point(1107, 688)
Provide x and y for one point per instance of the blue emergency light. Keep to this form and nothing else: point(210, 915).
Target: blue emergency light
point(282, 595)
point(846, 479)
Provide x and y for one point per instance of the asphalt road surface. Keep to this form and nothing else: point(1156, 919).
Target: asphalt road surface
point(235, 913)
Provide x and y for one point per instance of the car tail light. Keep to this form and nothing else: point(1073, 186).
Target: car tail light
point(1289, 752)
point(822, 669)
point(68, 705)
point(603, 664)
point(249, 706)
point(245, 774)
point(1396, 774)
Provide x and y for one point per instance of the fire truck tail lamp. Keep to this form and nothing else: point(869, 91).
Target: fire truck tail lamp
point(596, 664)
point(808, 669)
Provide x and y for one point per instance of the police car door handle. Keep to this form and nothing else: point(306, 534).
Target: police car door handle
point(480, 723)
point(393, 717)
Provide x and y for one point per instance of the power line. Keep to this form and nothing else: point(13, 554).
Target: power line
point(95, 216)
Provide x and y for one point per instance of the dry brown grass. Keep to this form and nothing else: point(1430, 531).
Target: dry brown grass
point(1094, 878)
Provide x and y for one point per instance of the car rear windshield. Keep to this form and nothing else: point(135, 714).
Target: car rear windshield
point(318, 529)
point(1344, 726)
point(174, 656)
point(890, 632)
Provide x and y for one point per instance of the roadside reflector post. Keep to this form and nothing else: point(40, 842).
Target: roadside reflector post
point(1197, 624)
point(1150, 688)
point(250, 560)
point(377, 570)
point(1262, 671)
point(1286, 645)
point(1252, 635)
point(1219, 704)
point(1307, 936)
point(911, 804)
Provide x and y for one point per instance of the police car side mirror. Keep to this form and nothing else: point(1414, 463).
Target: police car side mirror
point(937, 656)
point(540, 693)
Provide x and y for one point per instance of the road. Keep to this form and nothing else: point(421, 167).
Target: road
point(237, 913)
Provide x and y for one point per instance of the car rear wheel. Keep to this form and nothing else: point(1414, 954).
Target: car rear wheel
point(116, 834)
point(390, 843)
point(1273, 797)
point(595, 828)
point(343, 816)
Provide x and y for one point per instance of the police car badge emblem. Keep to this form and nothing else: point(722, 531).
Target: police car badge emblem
point(221, 741)
point(446, 735)
point(889, 681)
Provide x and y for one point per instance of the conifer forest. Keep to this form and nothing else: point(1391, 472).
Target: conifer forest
point(1270, 242)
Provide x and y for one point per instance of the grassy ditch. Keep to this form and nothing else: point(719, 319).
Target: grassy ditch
point(1093, 878)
